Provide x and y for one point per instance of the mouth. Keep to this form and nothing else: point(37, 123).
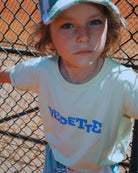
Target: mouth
point(83, 52)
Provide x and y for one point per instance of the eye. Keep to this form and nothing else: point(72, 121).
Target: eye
point(67, 26)
point(95, 22)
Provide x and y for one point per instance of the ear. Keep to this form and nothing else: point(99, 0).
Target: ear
point(51, 45)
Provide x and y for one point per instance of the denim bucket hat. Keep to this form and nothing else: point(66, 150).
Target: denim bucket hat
point(51, 9)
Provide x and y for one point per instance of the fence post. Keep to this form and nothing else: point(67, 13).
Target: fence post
point(134, 150)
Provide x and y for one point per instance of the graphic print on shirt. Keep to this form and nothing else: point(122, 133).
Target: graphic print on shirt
point(95, 126)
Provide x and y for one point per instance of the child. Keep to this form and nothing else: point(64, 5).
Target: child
point(86, 100)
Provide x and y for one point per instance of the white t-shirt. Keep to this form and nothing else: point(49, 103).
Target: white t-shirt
point(88, 126)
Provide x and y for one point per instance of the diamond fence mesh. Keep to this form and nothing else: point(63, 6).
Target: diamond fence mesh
point(22, 142)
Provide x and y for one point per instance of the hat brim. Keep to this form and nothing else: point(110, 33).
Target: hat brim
point(61, 5)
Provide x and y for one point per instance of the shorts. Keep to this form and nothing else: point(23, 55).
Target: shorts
point(52, 166)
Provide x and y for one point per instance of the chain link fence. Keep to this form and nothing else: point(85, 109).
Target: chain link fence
point(22, 142)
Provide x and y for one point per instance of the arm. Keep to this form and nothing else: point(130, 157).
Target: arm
point(5, 75)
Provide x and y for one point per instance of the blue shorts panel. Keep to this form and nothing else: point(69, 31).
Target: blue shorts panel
point(51, 164)
point(115, 168)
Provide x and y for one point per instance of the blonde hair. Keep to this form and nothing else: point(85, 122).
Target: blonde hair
point(42, 33)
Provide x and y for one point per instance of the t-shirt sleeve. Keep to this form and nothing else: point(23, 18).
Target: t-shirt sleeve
point(24, 76)
point(131, 95)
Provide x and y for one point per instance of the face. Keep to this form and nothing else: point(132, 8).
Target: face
point(79, 34)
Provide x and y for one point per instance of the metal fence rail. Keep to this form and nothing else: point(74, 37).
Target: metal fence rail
point(22, 142)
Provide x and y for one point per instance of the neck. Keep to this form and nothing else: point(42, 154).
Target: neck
point(79, 75)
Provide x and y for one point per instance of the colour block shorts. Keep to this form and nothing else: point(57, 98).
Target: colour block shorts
point(52, 166)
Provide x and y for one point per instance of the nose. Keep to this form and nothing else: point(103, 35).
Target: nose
point(83, 35)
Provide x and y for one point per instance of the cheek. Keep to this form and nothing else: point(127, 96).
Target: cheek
point(62, 46)
point(62, 43)
point(100, 38)
point(61, 40)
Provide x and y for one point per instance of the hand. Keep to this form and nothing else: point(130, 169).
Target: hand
point(5, 75)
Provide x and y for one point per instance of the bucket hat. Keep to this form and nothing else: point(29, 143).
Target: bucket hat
point(51, 9)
